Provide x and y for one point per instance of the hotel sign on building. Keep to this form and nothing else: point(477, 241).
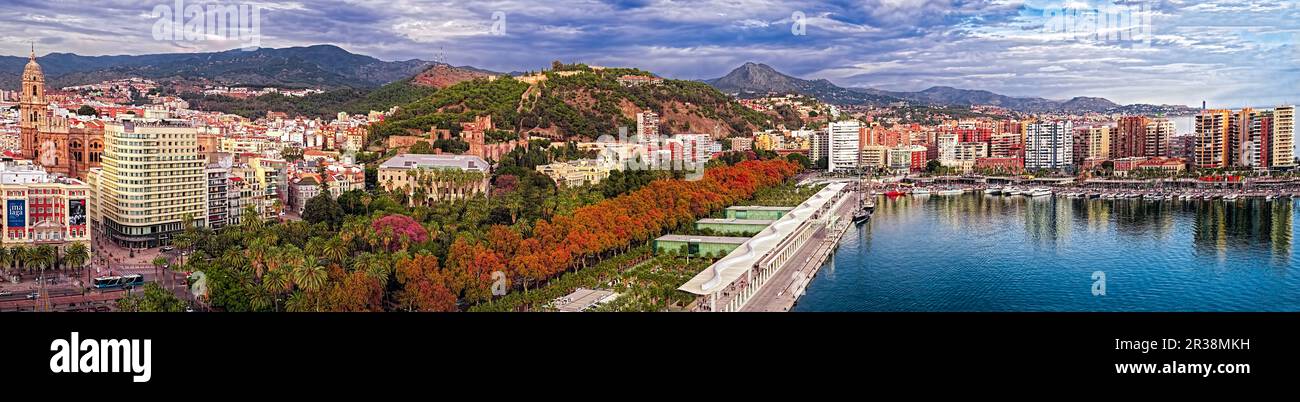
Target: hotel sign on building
point(16, 215)
point(40, 208)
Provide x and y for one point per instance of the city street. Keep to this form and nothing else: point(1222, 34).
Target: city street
point(68, 291)
point(65, 295)
point(109, 252)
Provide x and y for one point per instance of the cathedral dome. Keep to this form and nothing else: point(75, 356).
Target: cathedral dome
point(32, 69)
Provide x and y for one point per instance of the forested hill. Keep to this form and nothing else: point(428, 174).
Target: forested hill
point(324, 105)
point(577, 102)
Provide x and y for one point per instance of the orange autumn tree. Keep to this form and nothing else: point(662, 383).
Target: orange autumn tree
point(615, 225)
point(424, 286)
point(356, 292)
point(469, 270)
point(575, 241)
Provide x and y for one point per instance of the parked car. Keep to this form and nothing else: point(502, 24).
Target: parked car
point(4, 293)
point(168, 248)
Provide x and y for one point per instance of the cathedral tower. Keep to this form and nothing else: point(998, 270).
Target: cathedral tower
point(32, 105)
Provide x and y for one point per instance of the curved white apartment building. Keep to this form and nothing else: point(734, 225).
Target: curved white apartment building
point(152, 179)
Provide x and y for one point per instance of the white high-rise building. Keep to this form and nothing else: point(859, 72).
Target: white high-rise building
point(151, 182)
point(947, 144)
point(647, 126)
point(1283, 141)
point(843, 148)
point(1159, 132)
point(1049, 145)
point(820, 145)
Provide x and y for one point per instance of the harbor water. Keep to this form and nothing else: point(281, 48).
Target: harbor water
point(977, 252)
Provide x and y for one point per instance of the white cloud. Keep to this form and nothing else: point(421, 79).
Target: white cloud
point(1225, 51)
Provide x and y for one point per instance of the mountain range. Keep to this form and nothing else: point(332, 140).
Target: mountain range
point(324, 66)
point(753, 79)
point(760, 79)
point(331, 67)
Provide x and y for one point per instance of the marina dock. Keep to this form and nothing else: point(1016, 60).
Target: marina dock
point(792, 281)
point(770, 271)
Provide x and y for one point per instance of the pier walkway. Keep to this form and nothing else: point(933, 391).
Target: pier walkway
point(770, 270)
point(789, 283)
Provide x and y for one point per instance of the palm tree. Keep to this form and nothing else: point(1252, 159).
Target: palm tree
point(375, 267)
point(311, 278)
point(297, 302)
point(18, 256)
point(160, 264)
point(232, 258)
point(251, 220)
point(33, 259)
point(314, 249)
point(260, 299)
point(335, 251)
point(76, 255)
point(354, 229)
point(5, 260)
point(276, 283)
point(183, 242)
point(258, 251)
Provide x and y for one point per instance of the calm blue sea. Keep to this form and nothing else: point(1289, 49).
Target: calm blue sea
point(977, 252)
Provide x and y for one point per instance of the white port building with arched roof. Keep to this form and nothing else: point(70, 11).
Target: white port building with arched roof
point(730, 282)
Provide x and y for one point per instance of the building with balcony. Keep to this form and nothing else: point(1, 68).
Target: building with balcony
point(42, 208)
point(151, 182)
point(1049, 145)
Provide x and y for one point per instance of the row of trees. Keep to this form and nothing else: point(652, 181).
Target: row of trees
point(452, 255)
point(30, 260)
point(609, 227)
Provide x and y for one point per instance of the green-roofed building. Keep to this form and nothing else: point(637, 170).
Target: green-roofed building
point(757, 212)
point(733, 227)
point(698, 245)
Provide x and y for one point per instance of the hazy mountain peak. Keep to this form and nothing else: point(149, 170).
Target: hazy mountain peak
point(325, 66)
point(758, 78)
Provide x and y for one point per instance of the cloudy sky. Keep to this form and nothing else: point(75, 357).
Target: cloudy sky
point(1229, 53)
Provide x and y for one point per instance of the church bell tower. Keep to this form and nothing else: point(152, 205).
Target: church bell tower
point(32, 105)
